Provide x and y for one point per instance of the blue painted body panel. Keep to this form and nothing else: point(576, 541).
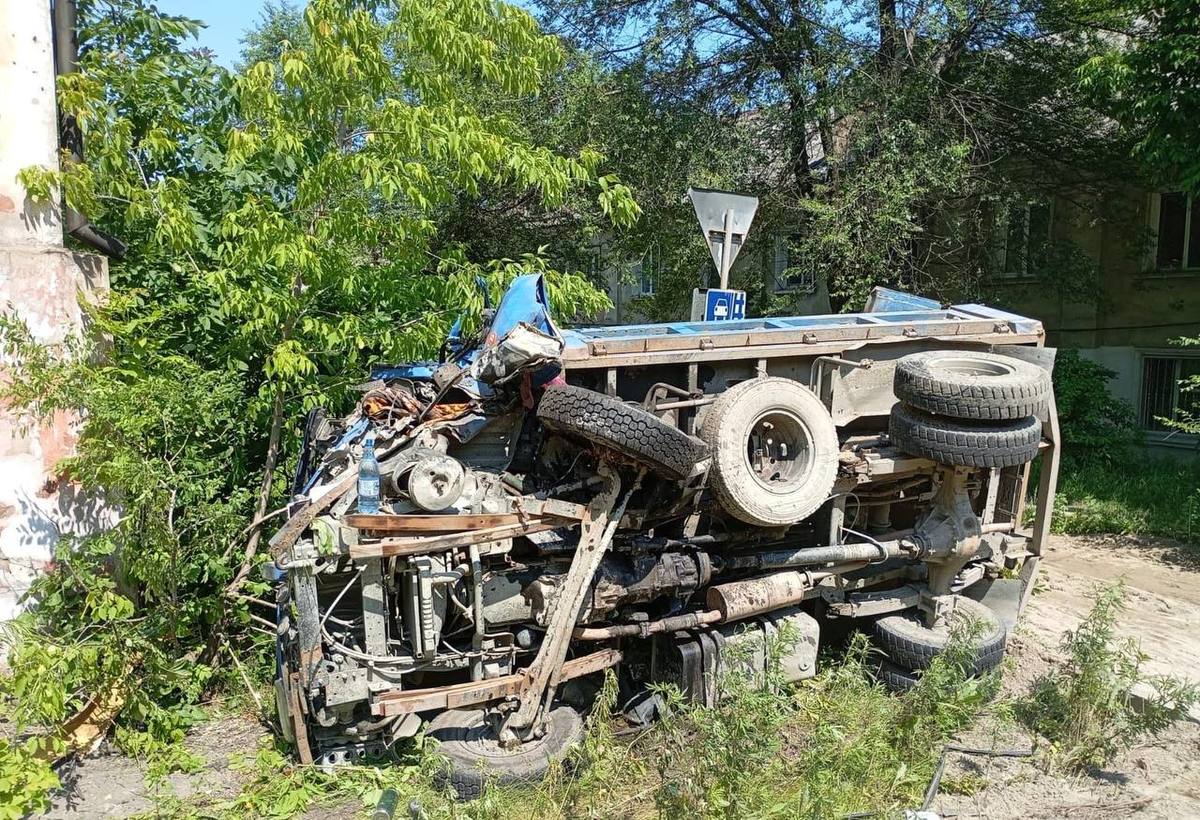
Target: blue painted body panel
point(526, 301)
point(885, 307)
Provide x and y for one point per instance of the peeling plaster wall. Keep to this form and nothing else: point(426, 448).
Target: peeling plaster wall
point(42, 282)
point(28, 120)
point(44, 287)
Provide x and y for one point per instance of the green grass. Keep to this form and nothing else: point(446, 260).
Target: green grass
point(1140, 496)
point(829, 746)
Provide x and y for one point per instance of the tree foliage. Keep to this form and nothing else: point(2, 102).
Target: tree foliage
point(1152, 80)
point(887, 140)
point(287, 225)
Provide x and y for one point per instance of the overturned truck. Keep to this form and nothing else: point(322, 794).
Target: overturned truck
point(555, 504)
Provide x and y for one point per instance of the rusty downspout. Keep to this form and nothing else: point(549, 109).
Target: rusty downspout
point(66, 61)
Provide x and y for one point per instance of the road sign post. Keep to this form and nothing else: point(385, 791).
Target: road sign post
point(724, 219)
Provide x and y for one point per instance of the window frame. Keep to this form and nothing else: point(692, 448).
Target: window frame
point(1154, 217)
point(778, 284)
point(645, 278)
point(1001, 243)
point(1177, 356)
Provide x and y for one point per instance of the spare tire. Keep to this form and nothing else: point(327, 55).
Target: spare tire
point(909, 643)
point(775, 451)
point(624, 428)
point(473, 757)
point(967, 384)
point(962, 443)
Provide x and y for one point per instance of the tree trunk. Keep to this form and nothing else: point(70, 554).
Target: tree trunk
point(264, 492)
point(797, 138)
point(888, 37)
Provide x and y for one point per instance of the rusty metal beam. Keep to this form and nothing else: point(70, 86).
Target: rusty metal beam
point(429, 523)
point(464, 695)
point(394, 547)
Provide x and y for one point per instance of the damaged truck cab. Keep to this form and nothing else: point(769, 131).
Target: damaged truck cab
point(558, 503)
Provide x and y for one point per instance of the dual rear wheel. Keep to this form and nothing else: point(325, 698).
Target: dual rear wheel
point(910, 646)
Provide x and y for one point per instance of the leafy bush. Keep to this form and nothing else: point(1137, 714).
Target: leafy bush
point(1095, 425)
point(282, 222)
point(25, 778)
point(1086, 706)
point(1186, 420)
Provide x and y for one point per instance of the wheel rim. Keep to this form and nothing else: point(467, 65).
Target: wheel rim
point(973, 367)
point(476, 738)
point(779, 451)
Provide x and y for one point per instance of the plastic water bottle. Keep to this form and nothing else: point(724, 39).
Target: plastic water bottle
point(368, 477)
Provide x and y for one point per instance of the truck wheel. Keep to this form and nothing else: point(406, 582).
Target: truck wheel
point(775, 451)
point(962, 443)
point(966, 384)
point(474, 757)
point(910, 644)
point(621, 427)
point(895, 679)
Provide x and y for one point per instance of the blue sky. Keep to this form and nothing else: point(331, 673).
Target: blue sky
point(227, 21)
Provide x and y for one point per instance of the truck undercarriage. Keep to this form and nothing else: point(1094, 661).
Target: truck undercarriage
point(555, 504)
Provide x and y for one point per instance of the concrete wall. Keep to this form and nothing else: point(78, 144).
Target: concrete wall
point(1133, 310)
point(28, 120)
point(42, 283)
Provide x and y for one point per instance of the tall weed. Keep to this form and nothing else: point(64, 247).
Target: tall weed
point(1086, 707)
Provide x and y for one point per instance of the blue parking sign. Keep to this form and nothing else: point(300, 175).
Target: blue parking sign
point(721, 305)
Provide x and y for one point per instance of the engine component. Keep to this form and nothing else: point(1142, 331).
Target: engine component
point(629, 430)
point(622, 580)
point(775, 451)
point(436, 482)
point(638, 579)
point(424, 600)
point(967, 384)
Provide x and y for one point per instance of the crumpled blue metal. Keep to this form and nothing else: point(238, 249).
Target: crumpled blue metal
point(526, 300)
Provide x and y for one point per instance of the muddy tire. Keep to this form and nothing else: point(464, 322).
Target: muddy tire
point(910, 644)
point(962, 443)
point(775, 451)
point(965, 384)
point(473, 756)
point(895, 679)
point(626, 429)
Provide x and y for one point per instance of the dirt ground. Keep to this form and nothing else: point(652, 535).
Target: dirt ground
point(1155, 780)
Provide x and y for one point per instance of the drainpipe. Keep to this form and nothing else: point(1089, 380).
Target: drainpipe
point(66, 61)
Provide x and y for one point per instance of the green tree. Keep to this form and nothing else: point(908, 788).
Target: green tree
point(1152, 80)
point(887, 140)
point(286, 230)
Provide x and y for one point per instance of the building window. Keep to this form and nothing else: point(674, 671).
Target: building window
point(785, 278)
point(1178, 232)
point(1024, 236)
point(1162, 395)
point(647, 272)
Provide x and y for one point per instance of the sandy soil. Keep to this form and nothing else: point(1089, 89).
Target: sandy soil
point(1155, 780)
